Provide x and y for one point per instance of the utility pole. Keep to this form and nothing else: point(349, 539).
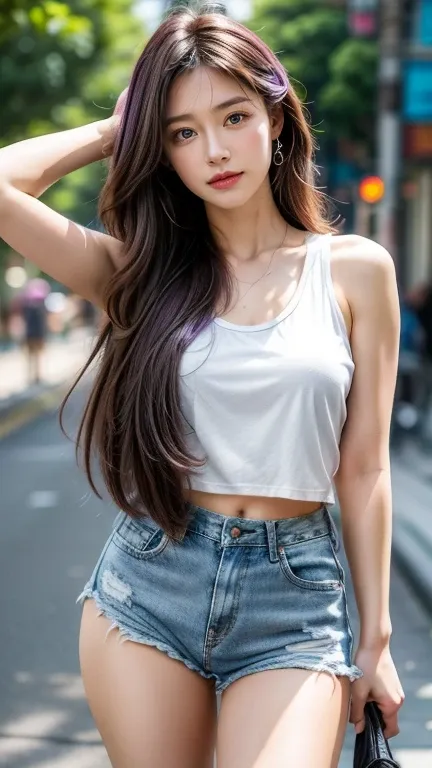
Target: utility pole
point(389, 141)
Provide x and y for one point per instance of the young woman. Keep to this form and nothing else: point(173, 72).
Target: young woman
point(238, 322)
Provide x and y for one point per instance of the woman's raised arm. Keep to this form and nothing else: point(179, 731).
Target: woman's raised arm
point(80, 258)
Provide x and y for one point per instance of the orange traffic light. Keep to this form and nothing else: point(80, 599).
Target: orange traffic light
point(371, 189)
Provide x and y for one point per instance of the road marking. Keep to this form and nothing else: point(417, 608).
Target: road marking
point(77, 571)
point(425, 691)
point(43, 500)
point(414, 758)
point(28, 411)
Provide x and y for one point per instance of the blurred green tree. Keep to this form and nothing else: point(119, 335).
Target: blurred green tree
point(334, 74)
point(56, 57)
point(63, 64)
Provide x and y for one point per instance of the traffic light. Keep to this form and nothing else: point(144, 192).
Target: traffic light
point(371, 189)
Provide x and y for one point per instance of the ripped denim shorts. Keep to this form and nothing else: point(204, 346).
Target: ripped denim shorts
point(232, 596)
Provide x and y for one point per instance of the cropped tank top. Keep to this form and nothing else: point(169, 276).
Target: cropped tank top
point(265, 404)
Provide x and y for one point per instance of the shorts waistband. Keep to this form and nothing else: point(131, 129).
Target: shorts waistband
point(239, 531)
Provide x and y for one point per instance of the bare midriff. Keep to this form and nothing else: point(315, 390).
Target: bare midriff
point(251, 507)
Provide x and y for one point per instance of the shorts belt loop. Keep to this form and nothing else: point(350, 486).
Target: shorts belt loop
point(271, 535)
point(334, 533)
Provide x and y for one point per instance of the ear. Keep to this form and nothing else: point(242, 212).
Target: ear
point(276, 121)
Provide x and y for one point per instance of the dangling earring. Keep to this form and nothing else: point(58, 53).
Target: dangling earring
point(278, 157)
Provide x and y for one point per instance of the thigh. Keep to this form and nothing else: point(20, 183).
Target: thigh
point(151, 710)
point(283, 717)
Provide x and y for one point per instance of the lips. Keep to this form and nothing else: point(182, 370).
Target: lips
point(225, 180)
point(221, 176)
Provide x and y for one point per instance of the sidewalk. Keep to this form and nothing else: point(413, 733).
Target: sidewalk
point(61, 361)
point(412, 527)
point(413, 458)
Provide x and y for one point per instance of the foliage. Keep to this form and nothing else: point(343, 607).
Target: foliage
point(58, 60)
point(349, 98)
point(334, 74)
point(63, 64)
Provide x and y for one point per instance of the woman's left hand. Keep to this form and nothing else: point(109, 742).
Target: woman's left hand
point(380, 683)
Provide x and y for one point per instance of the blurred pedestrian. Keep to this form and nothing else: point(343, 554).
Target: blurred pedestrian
point(406, 412)
point(34, 315)
point(425, 317)
point(30, 304)
point(410, 352)
point(424, 311)
point(236, 323)
point(420, 299)
point(88, 314)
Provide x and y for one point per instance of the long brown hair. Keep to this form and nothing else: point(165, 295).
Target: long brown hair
point(167, 292)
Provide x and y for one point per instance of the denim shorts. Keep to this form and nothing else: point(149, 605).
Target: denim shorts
point(231, 596)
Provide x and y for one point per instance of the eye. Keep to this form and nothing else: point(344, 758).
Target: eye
point(237, 117)
point(183, 134)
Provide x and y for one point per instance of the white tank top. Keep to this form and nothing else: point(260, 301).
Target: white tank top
point(265, 404)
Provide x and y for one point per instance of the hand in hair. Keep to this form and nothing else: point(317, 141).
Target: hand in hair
point(113, 123)
point(121, 102)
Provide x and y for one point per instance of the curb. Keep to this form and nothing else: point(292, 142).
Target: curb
point(412, 530)
point(22, 409)
point(15, 402)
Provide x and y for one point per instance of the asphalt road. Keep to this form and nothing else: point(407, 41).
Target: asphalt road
point(52, 529)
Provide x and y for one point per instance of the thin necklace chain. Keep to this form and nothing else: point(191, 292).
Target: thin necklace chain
point(265, 273)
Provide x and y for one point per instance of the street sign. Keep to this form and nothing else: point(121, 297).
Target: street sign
point(417, 101)
point(424, 35)
point(362, 17)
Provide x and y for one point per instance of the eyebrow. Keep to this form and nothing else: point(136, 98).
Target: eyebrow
point(217, 108)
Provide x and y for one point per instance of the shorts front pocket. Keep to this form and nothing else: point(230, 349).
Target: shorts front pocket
point(311, 564)
point(140, 538)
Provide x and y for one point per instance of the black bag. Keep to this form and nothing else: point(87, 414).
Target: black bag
point(371, 747)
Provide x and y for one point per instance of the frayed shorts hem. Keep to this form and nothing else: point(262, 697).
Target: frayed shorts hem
point(127, 634)
point(335, 670)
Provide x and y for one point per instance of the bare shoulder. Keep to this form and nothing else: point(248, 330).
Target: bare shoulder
point(362, 268)
point(360, 253)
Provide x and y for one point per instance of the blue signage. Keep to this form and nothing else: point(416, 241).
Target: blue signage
point(424, 36)
point(417, 97)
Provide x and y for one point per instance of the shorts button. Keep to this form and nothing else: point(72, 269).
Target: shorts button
point(235, 532)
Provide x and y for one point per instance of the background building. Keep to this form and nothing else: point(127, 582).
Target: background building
point(416, 113)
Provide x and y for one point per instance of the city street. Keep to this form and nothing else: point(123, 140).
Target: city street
point(52, 531)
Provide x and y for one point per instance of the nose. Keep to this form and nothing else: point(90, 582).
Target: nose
point(216, 151)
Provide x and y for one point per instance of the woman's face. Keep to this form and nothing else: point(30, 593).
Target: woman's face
point(215, 126)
